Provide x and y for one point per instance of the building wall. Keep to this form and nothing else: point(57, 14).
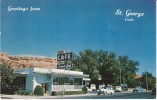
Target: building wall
point(29, 82)
point(38, 76)
point(41, 78)
point(50, 85)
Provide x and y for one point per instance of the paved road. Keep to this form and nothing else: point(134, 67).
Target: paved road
point(147, 95)
point(93, 95)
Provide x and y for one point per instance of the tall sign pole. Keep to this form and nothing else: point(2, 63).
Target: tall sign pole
point(147, 80)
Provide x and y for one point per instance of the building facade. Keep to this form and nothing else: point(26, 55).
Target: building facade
point(50, 79)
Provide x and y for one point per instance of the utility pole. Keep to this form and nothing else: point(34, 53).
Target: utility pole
point(147, 80)
point(119, 73)
point(120, 76)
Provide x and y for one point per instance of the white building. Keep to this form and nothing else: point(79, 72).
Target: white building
point(50, 79)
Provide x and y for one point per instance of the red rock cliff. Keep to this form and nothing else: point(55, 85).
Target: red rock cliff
point(18, 62)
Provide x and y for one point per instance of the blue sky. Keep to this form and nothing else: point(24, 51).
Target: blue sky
point(77, 25)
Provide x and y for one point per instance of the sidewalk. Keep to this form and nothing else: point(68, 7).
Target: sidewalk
point(5, 96)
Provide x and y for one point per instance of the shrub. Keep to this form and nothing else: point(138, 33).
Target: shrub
point(15, 92)
point(39, 90)
point(28, 92)
point(23, 92)
point(73, 92)
point(61, 92)
point(19, 92)
point(54, 93)
point(85, 89)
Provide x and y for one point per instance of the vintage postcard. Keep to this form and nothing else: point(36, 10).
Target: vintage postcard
point(78, 49)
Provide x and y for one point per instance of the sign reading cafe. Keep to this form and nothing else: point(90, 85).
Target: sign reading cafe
point(63, 57)
point(64, 60)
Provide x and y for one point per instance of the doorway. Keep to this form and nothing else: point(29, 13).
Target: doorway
point(45, 87)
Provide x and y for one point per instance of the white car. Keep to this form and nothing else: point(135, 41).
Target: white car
point(118, 88)
point(105, 90)
point(137, 89)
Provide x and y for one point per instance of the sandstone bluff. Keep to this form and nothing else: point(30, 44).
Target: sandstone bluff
point(19, 62)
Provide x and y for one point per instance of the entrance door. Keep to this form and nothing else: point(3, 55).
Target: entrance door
point(45, 87)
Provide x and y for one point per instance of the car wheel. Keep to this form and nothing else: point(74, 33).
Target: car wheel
point(98, 93)
point(111, 93)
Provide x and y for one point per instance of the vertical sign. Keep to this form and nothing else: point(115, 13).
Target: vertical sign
point(64, 60)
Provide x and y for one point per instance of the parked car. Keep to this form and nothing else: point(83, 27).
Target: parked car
point(124, 87)
point(105, 90)
point(118, 89)
point(137, 89)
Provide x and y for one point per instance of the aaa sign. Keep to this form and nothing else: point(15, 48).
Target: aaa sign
point(63, 57)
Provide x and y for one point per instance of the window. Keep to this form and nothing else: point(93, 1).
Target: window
point(60, 80)
point(55, 81)
point(66, 80)
point(19, 82)
point(78, 81)
point(71, 81)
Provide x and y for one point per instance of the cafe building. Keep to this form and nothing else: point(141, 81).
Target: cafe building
point(51, 79)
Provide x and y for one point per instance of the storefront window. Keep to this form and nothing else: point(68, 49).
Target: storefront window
point(71, 81)
point(66, 80)
point(61, 80)
point(58, 81)
point(55, 81)
point(19, 82)
point(78, 81)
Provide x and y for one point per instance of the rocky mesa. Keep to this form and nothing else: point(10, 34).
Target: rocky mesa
point(19, 62)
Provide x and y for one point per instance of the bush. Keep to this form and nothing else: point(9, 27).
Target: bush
point(85, 89)
point(28, 92)
point(54, 93)
point(19, 92)
point(23, 92)
point(39, 90)
point(73, 92)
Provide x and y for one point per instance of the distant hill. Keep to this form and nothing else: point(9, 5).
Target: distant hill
point(19, 62)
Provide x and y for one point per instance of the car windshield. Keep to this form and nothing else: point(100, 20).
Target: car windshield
point(138, 86)
point(103, 87)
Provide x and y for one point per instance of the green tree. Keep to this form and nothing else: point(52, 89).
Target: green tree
point(127, 70)
point(86, 61)
point(7, 75)
point(106, 65)
point(150, 79)
point(107, 61)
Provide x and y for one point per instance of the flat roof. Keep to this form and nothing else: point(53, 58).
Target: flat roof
point(50, 71)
